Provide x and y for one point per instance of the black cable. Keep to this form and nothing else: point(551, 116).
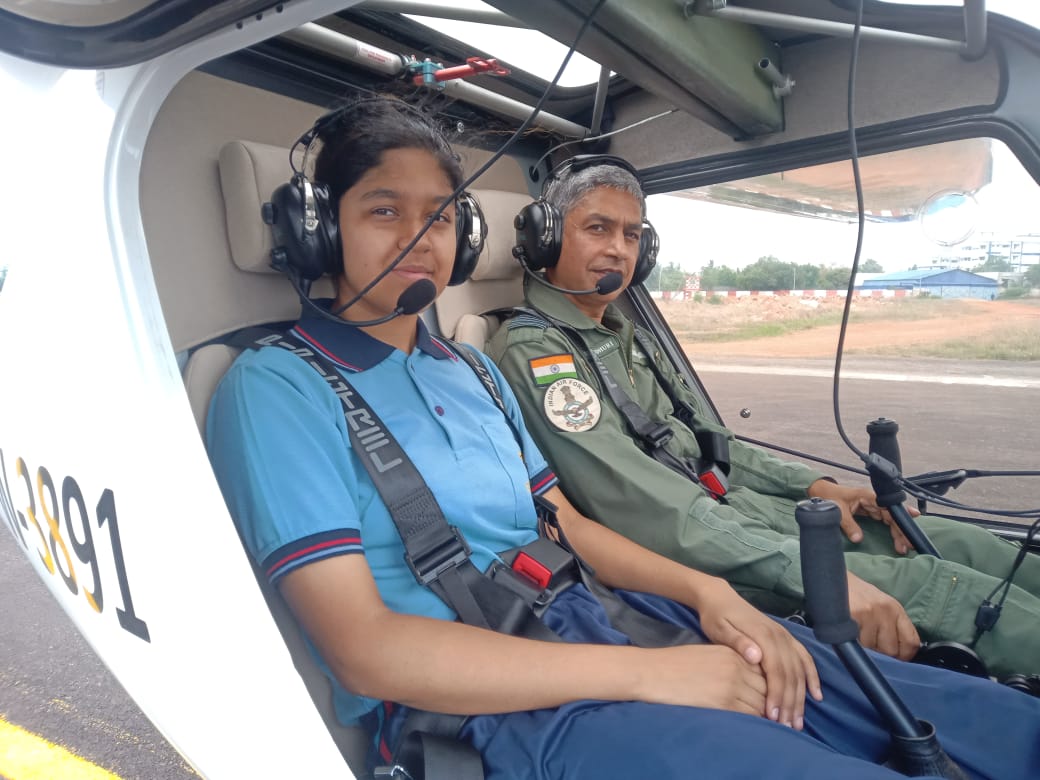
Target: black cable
point(861, 222)
point(989, 613)
point(480, 171)
point(799, 454)
point(912, 489)
point(928, 495)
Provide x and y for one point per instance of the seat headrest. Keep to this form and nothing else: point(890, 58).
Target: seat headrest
point(496, 280)
point(500, 208)
point(249, 173)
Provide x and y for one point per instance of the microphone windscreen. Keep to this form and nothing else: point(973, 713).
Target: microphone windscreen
point(608, 283)
point(416, 297)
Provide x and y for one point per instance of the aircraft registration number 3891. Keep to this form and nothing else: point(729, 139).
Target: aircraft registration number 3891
point(40, 524)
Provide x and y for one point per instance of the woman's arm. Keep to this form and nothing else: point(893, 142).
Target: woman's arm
point(725, 617)
point(450, 667)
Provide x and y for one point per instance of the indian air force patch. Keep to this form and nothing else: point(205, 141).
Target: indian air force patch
point(571, 405)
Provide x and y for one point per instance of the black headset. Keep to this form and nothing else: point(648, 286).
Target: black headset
point(539, 226)
point(305, 223)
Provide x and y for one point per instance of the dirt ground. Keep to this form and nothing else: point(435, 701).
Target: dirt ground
point(963, 319)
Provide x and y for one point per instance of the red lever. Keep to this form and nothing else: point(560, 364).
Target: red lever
point(473, 66)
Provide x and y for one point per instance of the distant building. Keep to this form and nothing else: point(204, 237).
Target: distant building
point(1020, 251)
point(940, 282)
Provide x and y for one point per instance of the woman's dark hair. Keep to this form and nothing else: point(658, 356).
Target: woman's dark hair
point(356, 135)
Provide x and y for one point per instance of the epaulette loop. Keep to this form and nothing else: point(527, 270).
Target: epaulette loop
point(527, 321)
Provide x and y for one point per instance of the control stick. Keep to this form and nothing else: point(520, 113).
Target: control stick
point(885, 466)
point(915, 749)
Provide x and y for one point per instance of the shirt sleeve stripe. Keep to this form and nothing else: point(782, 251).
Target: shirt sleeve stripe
point(543, 481)
point(316, 547)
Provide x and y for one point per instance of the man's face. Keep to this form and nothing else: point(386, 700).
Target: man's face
point(600, 236)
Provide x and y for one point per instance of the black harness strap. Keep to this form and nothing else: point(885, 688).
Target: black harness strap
point(653, 435)
point(435, 551)
point(713, 465)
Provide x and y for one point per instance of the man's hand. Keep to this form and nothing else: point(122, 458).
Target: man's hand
point(788, 668)
point(883, 623)
point(860, 501)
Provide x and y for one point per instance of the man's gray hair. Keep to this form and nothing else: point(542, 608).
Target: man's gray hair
point(565, 192)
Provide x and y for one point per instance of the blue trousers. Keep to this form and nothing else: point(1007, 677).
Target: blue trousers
point(991, 731)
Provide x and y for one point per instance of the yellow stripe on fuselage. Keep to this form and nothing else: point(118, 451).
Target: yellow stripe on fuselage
point(25, 756)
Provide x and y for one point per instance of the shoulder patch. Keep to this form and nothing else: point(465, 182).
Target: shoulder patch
point(571, 405)
point(547, 369)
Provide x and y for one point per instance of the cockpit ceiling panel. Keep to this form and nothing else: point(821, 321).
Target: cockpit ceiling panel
point(702, 65)
point(895, 184)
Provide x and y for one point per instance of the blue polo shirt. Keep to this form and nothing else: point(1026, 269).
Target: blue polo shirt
point(280, 449)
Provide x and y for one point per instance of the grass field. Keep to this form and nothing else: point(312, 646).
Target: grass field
point(920, 327)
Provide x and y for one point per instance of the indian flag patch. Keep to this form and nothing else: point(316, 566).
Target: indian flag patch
point(548, 369)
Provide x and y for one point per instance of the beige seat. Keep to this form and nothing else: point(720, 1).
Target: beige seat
point(249, 172)
point(497, 280)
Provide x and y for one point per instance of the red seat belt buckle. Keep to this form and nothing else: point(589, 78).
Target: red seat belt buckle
point(711, 482)
point(527, 566)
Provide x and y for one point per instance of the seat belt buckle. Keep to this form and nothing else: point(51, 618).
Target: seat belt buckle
point(538, 573)
point(448, 555)
point(659, 435)
point(396, 771)
point(714, 480)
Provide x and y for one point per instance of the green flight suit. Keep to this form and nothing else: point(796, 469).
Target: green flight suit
point(752, 541)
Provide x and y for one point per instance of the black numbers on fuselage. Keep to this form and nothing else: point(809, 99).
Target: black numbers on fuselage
point(37, 524)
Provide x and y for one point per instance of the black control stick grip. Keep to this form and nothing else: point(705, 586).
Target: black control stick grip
point(883, 443)
point(824, 576)
point(883, 440)
point(884, 467)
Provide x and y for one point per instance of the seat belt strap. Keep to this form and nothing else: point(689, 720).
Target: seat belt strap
point(434, 550)
point(642, 630)
point(439, 558)
point(654, 436)
point(424, 755)
point(713, 468)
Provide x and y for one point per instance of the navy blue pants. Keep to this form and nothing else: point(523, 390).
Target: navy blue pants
point(991, 731)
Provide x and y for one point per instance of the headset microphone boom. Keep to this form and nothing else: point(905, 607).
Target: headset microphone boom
point(607, 284)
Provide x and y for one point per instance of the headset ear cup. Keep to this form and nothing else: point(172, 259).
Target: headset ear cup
point(471, 232)
point(539, 235)
point(329, 249)
point(649, 244)
point(306, 238)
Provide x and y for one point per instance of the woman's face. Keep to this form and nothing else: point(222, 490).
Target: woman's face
point(379, 216)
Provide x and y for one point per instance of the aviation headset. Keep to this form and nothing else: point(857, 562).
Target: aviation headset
point(305, 222)
point(539, 225)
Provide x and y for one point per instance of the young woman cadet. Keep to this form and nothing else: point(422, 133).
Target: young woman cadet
point(749, 703)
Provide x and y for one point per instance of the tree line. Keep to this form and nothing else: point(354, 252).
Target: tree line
point(766, 273)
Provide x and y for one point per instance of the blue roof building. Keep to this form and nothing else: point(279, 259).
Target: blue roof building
point(939, 282)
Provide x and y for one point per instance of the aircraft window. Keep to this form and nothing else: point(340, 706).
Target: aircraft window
point(517, 48)
point(1016, 9)
point(944, 334)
